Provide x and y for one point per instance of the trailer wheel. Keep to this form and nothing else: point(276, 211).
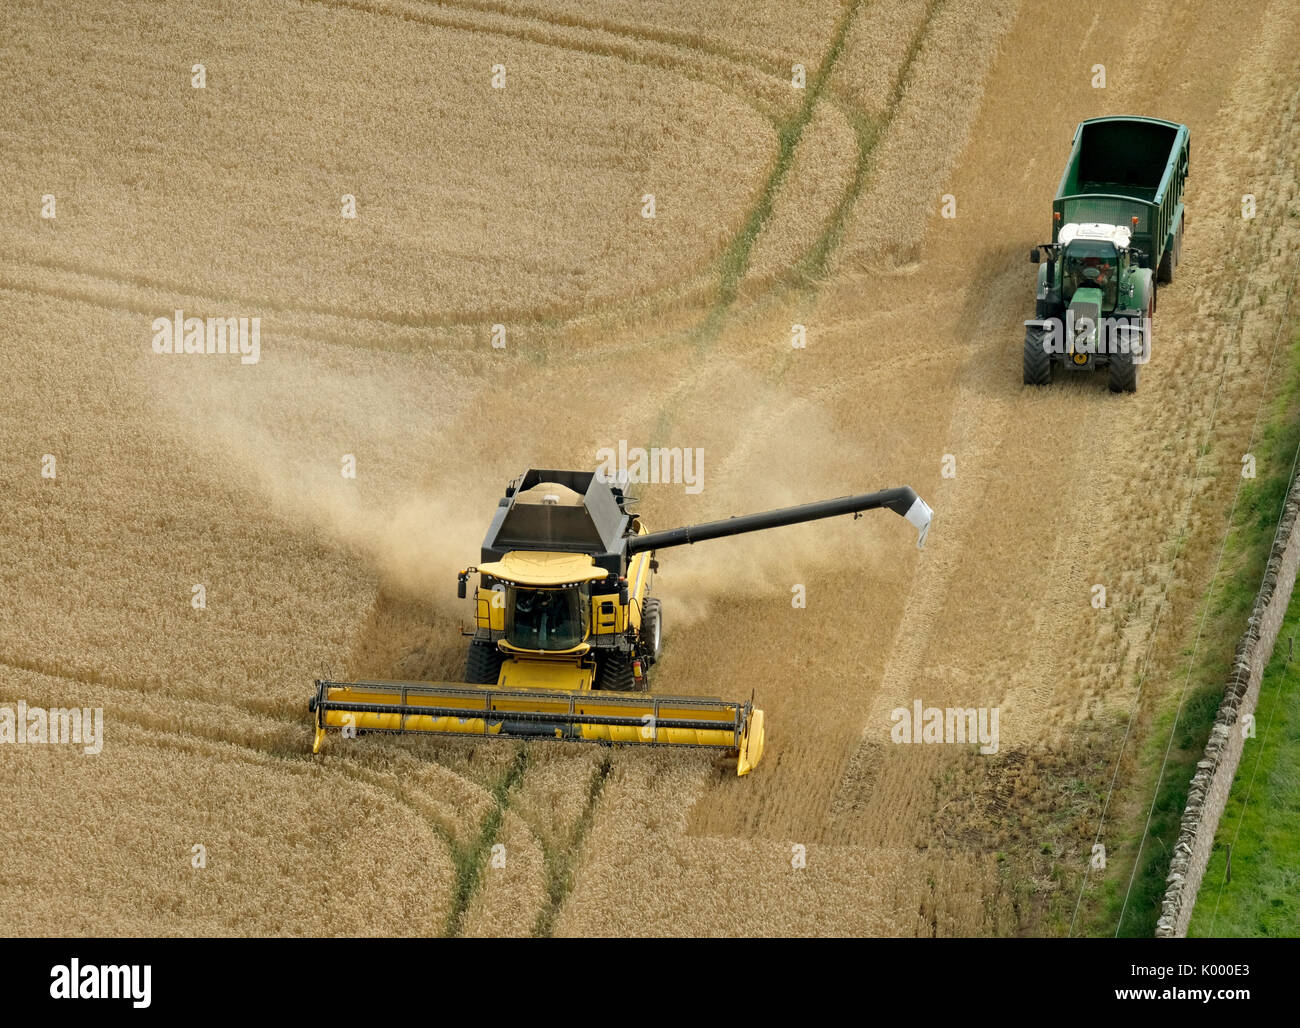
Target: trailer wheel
point(483, 664)
point(651, 630)
point(1169, 262)
point(1037, 362)
point(616, 674)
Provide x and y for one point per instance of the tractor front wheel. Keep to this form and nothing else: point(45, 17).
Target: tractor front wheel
point(1038, 362)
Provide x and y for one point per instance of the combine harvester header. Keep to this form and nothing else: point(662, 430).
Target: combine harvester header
point(566, 629)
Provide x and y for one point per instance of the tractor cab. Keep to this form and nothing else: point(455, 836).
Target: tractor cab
point(1094, 259)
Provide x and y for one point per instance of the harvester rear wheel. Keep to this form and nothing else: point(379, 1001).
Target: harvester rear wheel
point(616, 674)
point(483, 664)
point(652, 630)
point(1038, 362)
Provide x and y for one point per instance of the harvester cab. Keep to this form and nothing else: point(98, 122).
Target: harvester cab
point(566, 629)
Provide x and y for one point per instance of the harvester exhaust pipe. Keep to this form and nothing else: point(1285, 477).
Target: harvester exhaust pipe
point(902, 501)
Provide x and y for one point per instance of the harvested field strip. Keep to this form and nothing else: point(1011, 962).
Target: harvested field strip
point(1194, 715)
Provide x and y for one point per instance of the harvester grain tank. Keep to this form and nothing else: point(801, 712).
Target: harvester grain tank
point(566, 629)
point(1117, 231)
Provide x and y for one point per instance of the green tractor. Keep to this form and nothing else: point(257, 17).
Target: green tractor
point(1107, 294)
point(1117, 230)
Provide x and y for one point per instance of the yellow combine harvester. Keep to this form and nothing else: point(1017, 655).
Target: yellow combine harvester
point(566, 629)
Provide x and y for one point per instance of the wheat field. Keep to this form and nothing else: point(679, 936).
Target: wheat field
point(132, 477)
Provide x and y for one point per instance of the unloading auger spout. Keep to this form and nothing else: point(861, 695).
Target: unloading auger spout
point(903, 501)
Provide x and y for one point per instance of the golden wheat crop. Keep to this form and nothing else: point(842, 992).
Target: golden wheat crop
point(522, 206)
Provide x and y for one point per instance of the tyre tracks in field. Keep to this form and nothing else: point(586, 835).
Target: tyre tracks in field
point(627, 46)
point(287, 750)
point(769, 62)
point(83, 282)
point(813, 264)
point(1000, 435)
point(292, 756)
point(562, 863)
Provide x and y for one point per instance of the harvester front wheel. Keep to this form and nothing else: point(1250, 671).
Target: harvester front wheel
point(651, 630)
point(616, 674)
point(483, 665)
point(1038, 362)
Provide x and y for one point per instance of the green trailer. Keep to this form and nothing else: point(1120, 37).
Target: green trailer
point(1117, 230)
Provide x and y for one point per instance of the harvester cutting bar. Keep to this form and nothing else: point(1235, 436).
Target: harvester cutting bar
point(581, 716)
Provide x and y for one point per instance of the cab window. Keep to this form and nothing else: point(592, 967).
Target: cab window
point(1092, 263)
point(547, 619)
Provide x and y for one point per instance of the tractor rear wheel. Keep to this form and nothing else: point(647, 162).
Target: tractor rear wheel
point(483, 664)
point(651, 630)
point(1038, 362)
